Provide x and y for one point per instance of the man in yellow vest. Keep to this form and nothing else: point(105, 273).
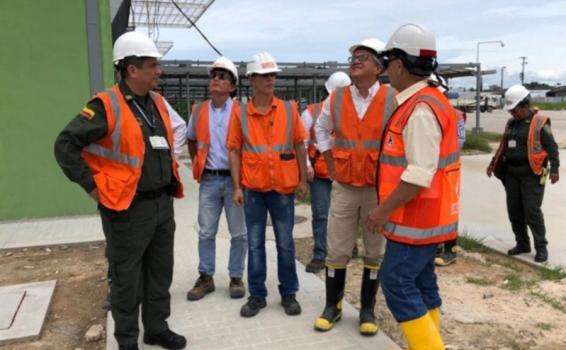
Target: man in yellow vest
point(317, 173)
point(208, 128)
point(268, 166)
point(418, 181)
point(526, 148)
point(348, 133)
point(119, 149)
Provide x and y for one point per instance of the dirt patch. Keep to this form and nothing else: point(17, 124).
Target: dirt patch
point(81, 288)
point(489, 302)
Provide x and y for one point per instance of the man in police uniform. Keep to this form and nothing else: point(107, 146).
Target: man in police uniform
point(525, 149)
point(118, 149)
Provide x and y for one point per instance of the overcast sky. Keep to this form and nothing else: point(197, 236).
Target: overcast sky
point(318, 30)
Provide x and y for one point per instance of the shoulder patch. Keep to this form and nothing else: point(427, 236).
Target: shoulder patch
point(87, 113)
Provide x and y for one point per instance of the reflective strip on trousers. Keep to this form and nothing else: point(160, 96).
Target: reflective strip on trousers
point(286, 147)
point(419, 233)
point(114, 154)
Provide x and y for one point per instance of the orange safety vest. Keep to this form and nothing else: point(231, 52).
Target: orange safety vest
point(317, 160)
point(269, 161)
point(357, 142)
point(200, 111)
point(116, 159)
point(536, 154)
point(432, 216)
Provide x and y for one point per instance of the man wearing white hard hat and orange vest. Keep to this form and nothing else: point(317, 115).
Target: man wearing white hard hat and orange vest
point(268, 166)
point(208, 128)
point(525, 152)
point(120, 150)
point(318, 177)
point(418, 181)
point(348, 133)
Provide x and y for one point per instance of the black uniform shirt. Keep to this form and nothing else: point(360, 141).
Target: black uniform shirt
point(518, 131)
point(86, 129)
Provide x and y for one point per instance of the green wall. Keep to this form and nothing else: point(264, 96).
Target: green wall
point(44, 83)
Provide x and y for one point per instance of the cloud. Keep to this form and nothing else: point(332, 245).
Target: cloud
point(540, 10)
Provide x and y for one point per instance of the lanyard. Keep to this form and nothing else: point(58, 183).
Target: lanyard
point(152, 123)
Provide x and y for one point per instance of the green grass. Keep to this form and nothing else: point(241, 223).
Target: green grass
point(555, 303)
point(550, 106)
point(551, 273)
point(477, 141)
point(480, 281)
point(515, 282)
point(471, 244)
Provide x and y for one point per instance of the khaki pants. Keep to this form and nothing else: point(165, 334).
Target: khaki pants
point(349, 207)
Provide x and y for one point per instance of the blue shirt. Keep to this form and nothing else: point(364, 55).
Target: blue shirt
point(218, 119)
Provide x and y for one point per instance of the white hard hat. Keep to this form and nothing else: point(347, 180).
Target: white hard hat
point(371, 43)
point(262, 63)
point(413, 39)
point(336, 80)
point(134, 44)
point(224, 63)
point(514, 95)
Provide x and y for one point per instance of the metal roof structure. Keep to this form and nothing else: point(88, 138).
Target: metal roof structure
point(164, 46)
point(164, 14)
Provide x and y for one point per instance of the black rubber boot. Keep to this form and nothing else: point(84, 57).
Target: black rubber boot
point(370, 284)
point(335, 280)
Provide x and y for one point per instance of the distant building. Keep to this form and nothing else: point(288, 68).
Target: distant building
point(559, 91)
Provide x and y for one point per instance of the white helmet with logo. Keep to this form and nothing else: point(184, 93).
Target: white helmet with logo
point(514, 95)
point(371, 43)
point(336, 80)
point(414, 39)
point(134, 44)
point(262, 63)
point(224, 63)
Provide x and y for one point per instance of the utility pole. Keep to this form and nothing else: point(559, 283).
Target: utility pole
point(523, 62)
point(502, 89)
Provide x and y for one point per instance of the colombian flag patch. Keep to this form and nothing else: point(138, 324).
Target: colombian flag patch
point(87, 113)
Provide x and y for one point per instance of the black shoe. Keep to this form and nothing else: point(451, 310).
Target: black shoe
point(518, 250)
point(541, 255)
point(445, 259)
point(166, 339)
point(128, 347)
point(291, 305)
point(252, 307)
point(315, 266)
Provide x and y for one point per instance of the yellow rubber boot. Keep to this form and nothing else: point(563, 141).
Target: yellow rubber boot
point(422, 334)
point(332, 313)
point(435, 315)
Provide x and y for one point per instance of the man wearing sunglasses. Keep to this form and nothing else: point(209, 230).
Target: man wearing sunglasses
point(208, 128)
point(418, 181)
point(348, 132)
point(525, 151)
point(268, 166)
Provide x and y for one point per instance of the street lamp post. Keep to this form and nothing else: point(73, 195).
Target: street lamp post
point(479, 81)
point(502, 88)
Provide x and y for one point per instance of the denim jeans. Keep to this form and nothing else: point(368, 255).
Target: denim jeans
point(408, 280)
point(281, 208)
point(320, 204)
point(215, 193)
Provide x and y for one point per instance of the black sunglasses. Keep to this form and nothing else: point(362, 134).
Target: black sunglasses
point(220, 75)
point(267, 75)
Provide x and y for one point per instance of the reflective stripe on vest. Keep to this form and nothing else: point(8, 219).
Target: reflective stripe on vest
point(196, 114)
point(417, 233)
point(114, 154)
point(443, 162)
point(286, 147)
point(539, 124)
point(340, 141)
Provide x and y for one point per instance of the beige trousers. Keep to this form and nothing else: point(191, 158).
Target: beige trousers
point(349, 207)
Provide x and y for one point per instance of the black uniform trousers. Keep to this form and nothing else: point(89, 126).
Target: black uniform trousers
point(524, 200)
point(139, 248)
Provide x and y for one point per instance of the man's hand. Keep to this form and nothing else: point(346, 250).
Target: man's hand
point(489, 170)
point(301, 190)
point(94, 195)
point(377, 217)
point(310, 173)
point(331, 171)
point(238, 197)
point(554, 177)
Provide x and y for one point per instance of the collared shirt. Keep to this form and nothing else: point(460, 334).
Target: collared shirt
point(422, 136)
point(324, 124)
point(179, 130)
point(218, 121)
point(81, 131)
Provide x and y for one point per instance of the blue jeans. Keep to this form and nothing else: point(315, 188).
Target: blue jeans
point(215, 193)
point(320, 204)
point(281, 209)
point(408, 280)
